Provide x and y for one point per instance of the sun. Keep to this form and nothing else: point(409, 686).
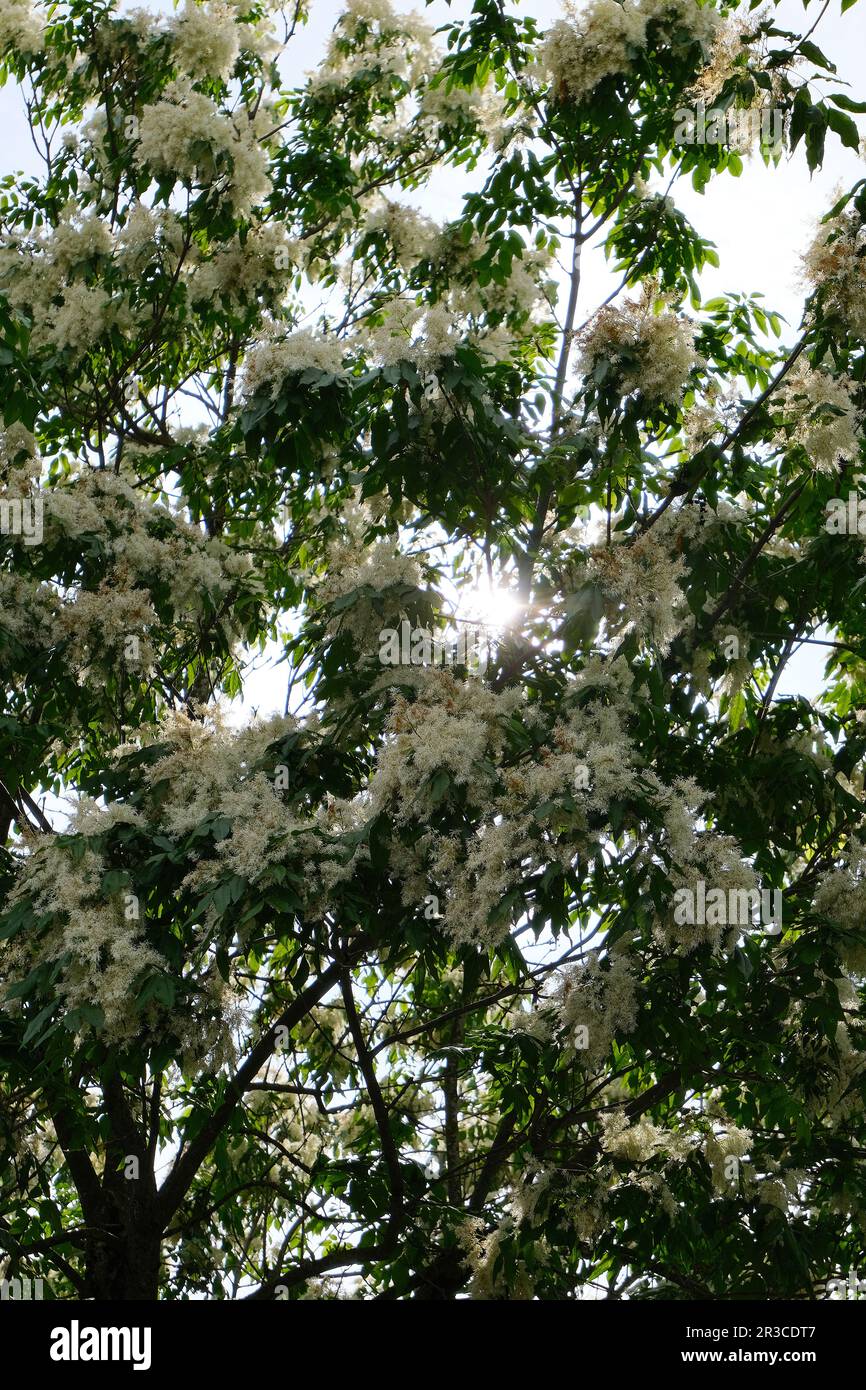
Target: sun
point(489, 606)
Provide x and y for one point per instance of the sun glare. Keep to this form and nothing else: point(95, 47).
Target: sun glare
point(494, 608)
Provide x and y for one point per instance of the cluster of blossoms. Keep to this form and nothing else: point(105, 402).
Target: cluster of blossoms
point(104, 954)
point(833, 265)
point(100, 940)
point(21, 28)
point(413, 236)
point(239, 271)
point(150, 558)
point(20, 464)
point(735, 51)
point(699, 856)
point(448, 107)
point(49, 279)
point(97, 941)
point(210, 770)
point(725, 1143)
point(406, 331)
point(821, 416)
point(372, 42)
point(277, 356)
point(593, 1005)
point(491, 319)
point(149, 236)
point(205, 39)
point(482, 1250)
point(185, 136)
point(379, 575)
point(641, 350)
point(735, 643)
point(79, 280)
point(729, 45)
point(841, 896)
point(605, 37)
point(640, 579)
point(716, 411)
point(636, 1143)
point(451, 741)
point(626, 1149)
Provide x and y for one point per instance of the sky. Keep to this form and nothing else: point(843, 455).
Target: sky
point(760, 222)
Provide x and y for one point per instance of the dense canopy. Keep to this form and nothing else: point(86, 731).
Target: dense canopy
point(529, 966)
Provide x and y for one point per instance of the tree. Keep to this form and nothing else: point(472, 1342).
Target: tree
point(471, 972)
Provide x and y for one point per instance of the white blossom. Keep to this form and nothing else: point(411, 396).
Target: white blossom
point(205, 39)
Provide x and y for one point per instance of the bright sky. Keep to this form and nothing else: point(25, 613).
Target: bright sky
point(760, 222)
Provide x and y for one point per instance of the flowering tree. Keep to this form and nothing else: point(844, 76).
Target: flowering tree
point(441, 981)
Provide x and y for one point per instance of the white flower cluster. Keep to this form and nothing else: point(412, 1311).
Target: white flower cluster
point(724, 1143)
point(604, 38)
point(413, 236)
point(602, 41)
point(448, 106)
point(20, 464)
point(715, 412)
point(729, 43)
point(482, 1250)
point(822, 410)
point(98, 943)
point(408, 331)
point(105, 623)
point(699, 855)
point(370, 38)
point(101, 954)
point(834, 264)
point(44, 280)
point(21, 28)
point(490, 319)
point(148, 235)
point(185, 136)
point(593, 1005)
point(238, 272)
point(841, 896)
point(212, 770)
point(636, 1142)
point(667, 20)
point(276, 357)
point(351, 565)
point(641, 581)
point(528, 286)
point(145, 543)
point(525, 817)
point(647, 352)
point(28, 613)
point(146, 549)
point(447, 728)
point(205, 39)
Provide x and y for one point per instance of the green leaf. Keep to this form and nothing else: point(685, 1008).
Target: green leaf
point(844, 128)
